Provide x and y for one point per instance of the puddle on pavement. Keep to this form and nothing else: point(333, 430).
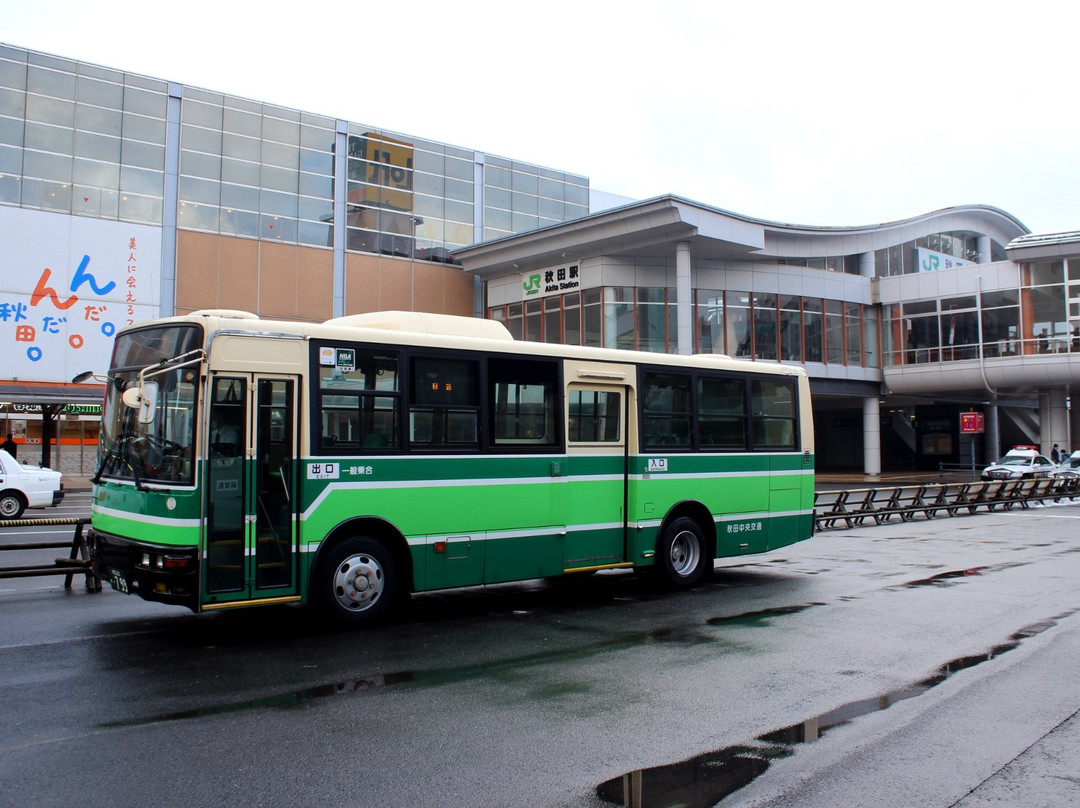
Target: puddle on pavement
point(760, 616)
point(502, 668)
point(706, 779)
point(278, 700)
point(945, 577)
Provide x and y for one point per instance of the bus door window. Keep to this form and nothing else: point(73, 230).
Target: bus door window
point(597, 462)
point(275, 472)
point(225, 486)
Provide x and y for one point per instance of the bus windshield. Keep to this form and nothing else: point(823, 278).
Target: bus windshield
point(161, 451)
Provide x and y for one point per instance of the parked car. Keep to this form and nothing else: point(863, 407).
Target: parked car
point(1070, 466)
point(25, 486)
point(1020, 462)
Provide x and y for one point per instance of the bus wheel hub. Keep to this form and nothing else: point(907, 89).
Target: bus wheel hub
point(358, 582)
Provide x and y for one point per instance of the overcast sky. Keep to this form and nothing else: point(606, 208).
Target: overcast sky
point(827, 113)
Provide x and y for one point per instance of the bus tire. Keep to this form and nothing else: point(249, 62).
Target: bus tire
point(358, 583)
point(681, 553)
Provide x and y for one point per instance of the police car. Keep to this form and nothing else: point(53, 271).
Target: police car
point(1020, 462)
point(24, 486)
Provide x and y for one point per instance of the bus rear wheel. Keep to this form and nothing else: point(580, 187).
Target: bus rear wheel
point(680, 553)
point(358, 584)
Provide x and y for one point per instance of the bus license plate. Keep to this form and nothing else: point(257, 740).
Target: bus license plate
point(117, 581)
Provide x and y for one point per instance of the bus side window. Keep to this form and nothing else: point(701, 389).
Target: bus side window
point(444, 409)
point(722, 413)
point(772, 403)
point(360, 405)
point(666, 409)
point(523, 402)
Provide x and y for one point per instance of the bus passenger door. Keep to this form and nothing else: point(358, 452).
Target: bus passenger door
point(251, 536)
point(597, 421)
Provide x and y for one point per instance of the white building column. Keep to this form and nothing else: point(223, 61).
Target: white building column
point(684, 306)
point(992, 437)
point(867, 264)
point(983, 245)
point(871, 419)
point(1053, 421)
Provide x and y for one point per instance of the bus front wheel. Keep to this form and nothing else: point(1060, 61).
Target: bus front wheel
point(680, 553)
point(359, 582)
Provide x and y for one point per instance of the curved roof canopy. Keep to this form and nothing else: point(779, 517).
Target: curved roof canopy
point(649, 228)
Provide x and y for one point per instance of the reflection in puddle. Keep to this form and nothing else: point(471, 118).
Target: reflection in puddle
point(704, 780)
point(278, 700)
point(509, 667)
point(946, 577)
point(753, 618)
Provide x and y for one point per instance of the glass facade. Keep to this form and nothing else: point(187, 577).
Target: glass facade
point(1039, 316)
point(81, 139)
point(747, 325)
point(912, 256)
point(251, 169)
point(520, 197)
point(91, 141)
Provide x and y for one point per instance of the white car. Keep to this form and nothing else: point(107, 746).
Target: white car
point(24, 486)
point(1070, 466)
point(1020, 462)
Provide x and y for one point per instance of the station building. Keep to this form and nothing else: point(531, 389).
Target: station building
point(125, 197)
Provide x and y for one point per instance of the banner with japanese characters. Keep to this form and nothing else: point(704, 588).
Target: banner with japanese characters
point(67, 283)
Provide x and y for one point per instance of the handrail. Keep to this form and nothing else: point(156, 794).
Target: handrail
point(856, 506)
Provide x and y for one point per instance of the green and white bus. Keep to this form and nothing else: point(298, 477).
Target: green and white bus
point(245, 461)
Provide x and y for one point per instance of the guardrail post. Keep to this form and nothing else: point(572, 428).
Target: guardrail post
point(78, 561)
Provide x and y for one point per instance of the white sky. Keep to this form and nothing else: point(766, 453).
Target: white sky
point(826, 113)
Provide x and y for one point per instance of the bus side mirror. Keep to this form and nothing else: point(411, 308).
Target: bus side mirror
point(143, 398)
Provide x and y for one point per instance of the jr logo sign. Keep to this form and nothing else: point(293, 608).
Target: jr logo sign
point(532, 285)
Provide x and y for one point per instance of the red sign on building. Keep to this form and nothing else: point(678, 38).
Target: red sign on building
point(972, 423)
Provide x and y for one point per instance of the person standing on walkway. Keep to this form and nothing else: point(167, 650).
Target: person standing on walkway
point(1055, 454)
point(10, 446)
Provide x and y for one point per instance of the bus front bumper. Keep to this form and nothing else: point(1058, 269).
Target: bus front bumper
point(151, 571)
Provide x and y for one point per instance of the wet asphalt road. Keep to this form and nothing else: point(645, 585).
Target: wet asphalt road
point(536, 694)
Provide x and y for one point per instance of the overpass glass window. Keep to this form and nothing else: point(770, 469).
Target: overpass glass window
point(1001, 322)
point(853, 334)
point(652, 320)
point(791, 328)
point(765, 329)
point(834, 331)
point(710, 321)
point(738, 333)
point(618, 322)
point(813, 330)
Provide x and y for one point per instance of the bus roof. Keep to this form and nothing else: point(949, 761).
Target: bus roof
point(446, 331)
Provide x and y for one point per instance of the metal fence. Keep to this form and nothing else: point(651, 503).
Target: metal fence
point(860, 506)
point(77, 561)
